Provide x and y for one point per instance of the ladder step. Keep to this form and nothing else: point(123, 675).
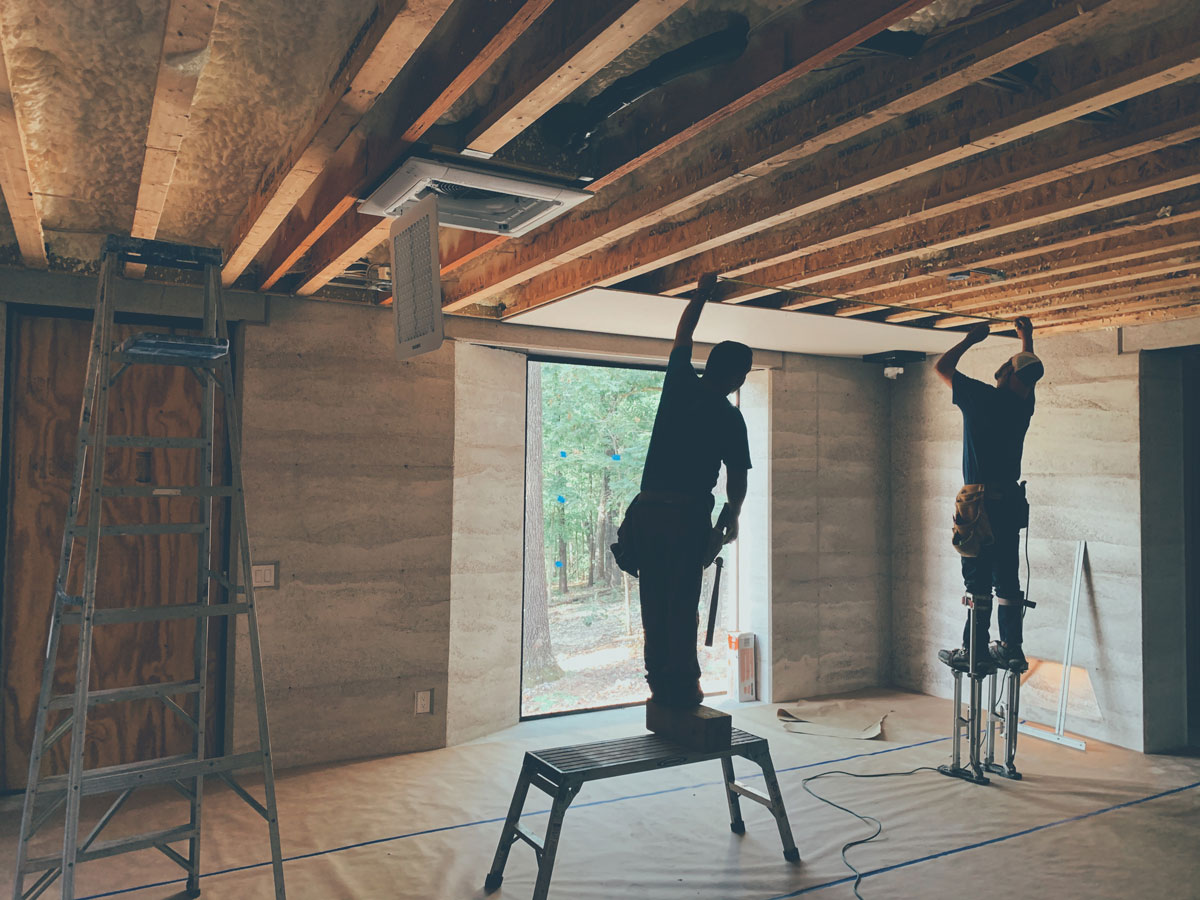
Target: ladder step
point(132, 692)
point(149, 490)
point(529, 837)
point(127, 614)
point(155, 771)
point(101, 849)
point(169, 528)
point(145, 440)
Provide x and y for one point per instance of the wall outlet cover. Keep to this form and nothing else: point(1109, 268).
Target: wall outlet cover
point(264, 576)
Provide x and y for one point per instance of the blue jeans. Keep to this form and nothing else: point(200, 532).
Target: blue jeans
point(997, 566)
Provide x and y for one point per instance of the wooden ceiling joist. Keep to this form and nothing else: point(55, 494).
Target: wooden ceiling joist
point(585, 36)
point(730, 237)
point(1149, 292)
point(873, 93)
point(937, 292)
point(1087, 317)
point(386, 42)
point(469, 38)
point(831, 26)
point(1015, 253)
point(186, 36)
point(14, 180)
point(996, 298)
point(1166, 170)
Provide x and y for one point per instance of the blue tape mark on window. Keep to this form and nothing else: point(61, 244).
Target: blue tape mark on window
point(617, 457)
point(558, 564)
point(561, 499)
point(562, 453)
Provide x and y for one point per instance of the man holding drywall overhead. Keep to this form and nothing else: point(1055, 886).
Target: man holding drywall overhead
point(991, 509)
point(668, 526)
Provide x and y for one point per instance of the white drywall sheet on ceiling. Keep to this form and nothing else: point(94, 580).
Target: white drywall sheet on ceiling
point(650, 315)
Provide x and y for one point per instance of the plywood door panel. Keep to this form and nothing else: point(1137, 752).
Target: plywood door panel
point(47, 361)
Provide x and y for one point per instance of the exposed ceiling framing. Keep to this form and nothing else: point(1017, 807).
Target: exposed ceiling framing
point(1026, 156)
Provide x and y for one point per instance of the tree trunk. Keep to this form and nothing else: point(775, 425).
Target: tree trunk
point(602, 560)
point(562, 549)
point(539, 663)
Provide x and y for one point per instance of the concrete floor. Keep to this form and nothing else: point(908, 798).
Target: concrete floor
point(1106, 823)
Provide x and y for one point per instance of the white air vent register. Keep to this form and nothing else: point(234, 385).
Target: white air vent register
point(416, 280)
point(472, 199)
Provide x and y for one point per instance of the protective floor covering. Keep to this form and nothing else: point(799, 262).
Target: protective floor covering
point(1108, 823)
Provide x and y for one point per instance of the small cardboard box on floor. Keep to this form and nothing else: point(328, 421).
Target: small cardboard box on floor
point(742, 682)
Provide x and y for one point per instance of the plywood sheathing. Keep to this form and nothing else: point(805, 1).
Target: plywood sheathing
point(269, 63)
point(82, 77)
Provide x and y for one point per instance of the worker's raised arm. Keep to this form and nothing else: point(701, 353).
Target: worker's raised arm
point(947, 363)
point(1025, 330)
point(691, 315)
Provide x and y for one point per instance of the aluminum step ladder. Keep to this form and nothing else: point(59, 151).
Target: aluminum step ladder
point(58, 797)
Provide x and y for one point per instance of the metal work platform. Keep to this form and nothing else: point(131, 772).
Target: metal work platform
point(562, 771)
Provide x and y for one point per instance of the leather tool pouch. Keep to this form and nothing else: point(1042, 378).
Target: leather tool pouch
point(972, 530)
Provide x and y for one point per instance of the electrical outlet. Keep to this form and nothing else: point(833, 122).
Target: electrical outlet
point(264, 575)
point(424, 703)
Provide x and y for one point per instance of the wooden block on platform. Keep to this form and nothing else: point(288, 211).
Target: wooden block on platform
point(697, 727)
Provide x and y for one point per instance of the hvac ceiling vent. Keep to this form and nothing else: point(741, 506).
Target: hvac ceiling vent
point(473, 199)
point(416, 280)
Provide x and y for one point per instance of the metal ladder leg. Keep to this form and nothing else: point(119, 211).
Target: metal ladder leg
point(234, 436)
point(508, 834)
point(550, 846)
point(736, 825)
point(96, 355)
point(778, 810)
point(83, 664)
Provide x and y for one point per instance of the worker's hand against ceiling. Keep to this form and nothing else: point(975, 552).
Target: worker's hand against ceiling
point(978, 333)
point(1024, 326)
point(708, 285)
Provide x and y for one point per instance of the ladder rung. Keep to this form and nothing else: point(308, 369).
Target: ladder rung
point(141, 440)
point(155, 771)
point(132, 692)
point(102, 849)
point(158, 613)
point(166, 528)
point(149, 490)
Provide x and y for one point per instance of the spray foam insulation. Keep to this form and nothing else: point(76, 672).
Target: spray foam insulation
point(269, 65)
point(82, 77)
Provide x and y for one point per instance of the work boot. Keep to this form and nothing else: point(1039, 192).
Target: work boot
point(684, 698)
point(960, 659)
point(1008, 656)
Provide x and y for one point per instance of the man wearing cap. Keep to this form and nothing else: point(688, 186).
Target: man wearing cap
point(991, 508)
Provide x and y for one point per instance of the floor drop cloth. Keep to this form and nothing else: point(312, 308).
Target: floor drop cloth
point(1108, 823)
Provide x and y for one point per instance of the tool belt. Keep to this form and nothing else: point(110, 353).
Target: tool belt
point(972, 527)
point(625, 550)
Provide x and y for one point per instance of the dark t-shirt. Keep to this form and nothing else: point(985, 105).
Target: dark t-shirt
point(695, 430)
point(994, 424)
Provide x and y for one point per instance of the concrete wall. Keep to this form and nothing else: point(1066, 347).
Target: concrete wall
point(829, 526)
point(488, 539)
point(1082, 463)
point(348, 458)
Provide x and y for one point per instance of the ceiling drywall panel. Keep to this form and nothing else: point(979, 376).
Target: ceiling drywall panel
point(607, 311)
